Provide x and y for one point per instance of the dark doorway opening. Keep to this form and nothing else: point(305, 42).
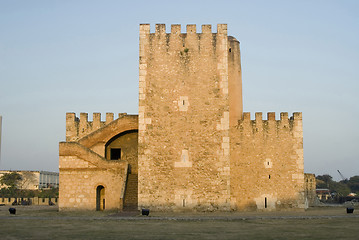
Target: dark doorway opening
point(115, 153)
point(100, 198)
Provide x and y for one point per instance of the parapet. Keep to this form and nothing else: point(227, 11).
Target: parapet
point(160, 29)
point(79, 127)
point(191, 41)
point(270, 125)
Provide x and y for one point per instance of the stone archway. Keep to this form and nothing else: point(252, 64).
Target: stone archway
point(124, 146)
point(100, 198)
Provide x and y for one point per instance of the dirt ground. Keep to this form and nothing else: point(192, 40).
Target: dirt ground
point(45, 222)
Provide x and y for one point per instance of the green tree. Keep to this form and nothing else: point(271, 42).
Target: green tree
point(353, 183)
point(340, 187)
point(11, 180)
point(324, 181)
point(49, 193)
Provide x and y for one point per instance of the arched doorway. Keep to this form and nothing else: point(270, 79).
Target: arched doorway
point(124, 146)
point(100, 198)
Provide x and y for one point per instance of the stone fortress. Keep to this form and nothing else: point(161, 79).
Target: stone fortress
point(191, 147)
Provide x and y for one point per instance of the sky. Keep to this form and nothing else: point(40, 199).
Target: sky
point(82, 56)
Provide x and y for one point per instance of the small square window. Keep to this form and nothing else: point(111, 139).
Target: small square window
point(115, 153)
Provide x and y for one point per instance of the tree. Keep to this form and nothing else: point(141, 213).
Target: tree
point(353, 183)
point(28, 179)
point(11, 180)
point(49, 193)
point(341, 188)
point(324, 181)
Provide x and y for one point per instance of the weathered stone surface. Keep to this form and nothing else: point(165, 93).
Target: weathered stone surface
point(196, 149)
point(184, 147)
point(84, 165)
point(267, 163)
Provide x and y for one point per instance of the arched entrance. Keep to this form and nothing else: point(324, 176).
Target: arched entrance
point(100, 198)
point(124, 146)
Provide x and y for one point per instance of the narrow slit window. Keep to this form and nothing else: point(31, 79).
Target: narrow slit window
point(265, 202)
point(183, 202)
point(269, 177)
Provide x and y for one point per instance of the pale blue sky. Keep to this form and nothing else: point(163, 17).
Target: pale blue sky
point(82, 56)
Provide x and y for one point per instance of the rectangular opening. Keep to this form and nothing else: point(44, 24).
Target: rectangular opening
point(265, 202)
point(115, 153)
point(183, 202)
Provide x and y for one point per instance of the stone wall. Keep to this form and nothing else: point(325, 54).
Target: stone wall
point(184, 116)
point(84, 167)
point(31, 201)
point(196, 149)
point(267, 163)
point(77, 128)
point(82, 171)
point(310, 189)
point(128, 143)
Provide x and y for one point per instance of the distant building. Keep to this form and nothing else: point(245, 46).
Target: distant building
point(33, 180)
point(323, 194)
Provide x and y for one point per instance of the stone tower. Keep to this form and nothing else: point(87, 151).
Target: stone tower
point(191, 147)
point(190, 93)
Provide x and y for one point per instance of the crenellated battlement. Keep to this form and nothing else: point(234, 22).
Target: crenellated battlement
point(293, 123)
point(190, 42)
point(160, 29)
point(79, 127)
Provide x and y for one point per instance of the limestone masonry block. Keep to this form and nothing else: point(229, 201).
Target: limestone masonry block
point(191, 147)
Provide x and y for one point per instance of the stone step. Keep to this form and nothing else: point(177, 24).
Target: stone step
point(131, 193)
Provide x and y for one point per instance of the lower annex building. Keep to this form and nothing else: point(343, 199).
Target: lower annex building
point(191, 147)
